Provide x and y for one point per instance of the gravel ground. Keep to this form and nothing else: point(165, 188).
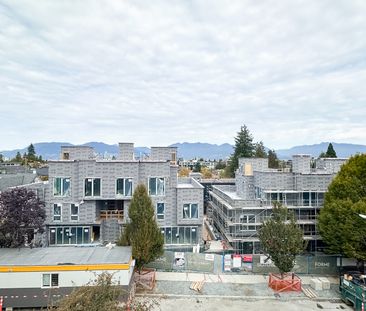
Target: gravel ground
point(176, 295)
point(220, 304)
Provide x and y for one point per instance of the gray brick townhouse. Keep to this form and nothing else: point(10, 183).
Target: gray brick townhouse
point(237, 211)
point(87, 198)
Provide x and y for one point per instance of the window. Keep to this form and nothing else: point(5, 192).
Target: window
point(124, 186)
point(69, 235)
point(74, 212)
point(92, 187)
point(157, 186)
point(66, 156)
point(190, 210)
point(160, 210)
point(50, 280)
point(57, 212)
point(247, 219)
point(61, 187)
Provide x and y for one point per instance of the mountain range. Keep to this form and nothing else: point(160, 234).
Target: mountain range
point(51, 150)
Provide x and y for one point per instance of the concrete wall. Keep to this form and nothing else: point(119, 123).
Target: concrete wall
point(163, 154)
point(187, 196)
point(301, 163)
point(126, 152)
point(76, 153)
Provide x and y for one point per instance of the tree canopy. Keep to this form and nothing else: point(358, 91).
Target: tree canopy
point(340, 225)
point(273, 161)
point(260, 151)
point(142, 232)
point(281, 238)
point(21, 214)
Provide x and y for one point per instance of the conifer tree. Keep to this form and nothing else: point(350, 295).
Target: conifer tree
point(244, 148)
point(331, 152)
point(142, 232)
point(31, 155)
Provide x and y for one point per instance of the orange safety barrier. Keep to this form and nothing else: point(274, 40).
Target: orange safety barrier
point(289, 282)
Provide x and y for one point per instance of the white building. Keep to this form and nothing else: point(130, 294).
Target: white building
point(35, 278)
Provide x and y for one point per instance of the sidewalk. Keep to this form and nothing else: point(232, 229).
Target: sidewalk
point(228, 278)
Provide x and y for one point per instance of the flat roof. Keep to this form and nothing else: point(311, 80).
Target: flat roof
point(52, 256)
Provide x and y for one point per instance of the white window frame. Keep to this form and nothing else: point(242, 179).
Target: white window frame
point(156, 186)
point(189, 208)
point(92, 188)
point(71, 214)
point(50, 280)
point(160, 216)
point(125, 179)
point(63, 193)
point(53, 212)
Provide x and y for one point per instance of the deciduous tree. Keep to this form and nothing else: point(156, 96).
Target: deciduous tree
point(21, 214)
point(281, 238)
point(340, 225)
point(142, 232)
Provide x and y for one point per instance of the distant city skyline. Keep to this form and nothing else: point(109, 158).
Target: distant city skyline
point(161, 72)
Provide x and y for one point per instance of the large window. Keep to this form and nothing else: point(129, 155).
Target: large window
point(157, 186)
point(61, 187)
point(92, 187)
point(57, 212)
point(180, 235)
point(190, 210)
point(124, 187)
point(74, 212)
point(160, 210)
point(50, 280)
point(69, 235)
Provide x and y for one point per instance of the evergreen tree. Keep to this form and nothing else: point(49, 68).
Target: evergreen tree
point(1, 158)
point(260, 151)
point(281, 238)
point(331, 152)
point(142, 232)
point(31, 155)
point(340, 225)
point(244, 148)
point(272, 159)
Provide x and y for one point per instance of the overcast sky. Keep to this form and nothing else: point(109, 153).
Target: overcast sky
point(161, 72)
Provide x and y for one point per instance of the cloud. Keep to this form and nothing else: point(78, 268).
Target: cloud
point(160, 72)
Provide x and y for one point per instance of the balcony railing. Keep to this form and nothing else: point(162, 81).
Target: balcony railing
point(111, 214)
